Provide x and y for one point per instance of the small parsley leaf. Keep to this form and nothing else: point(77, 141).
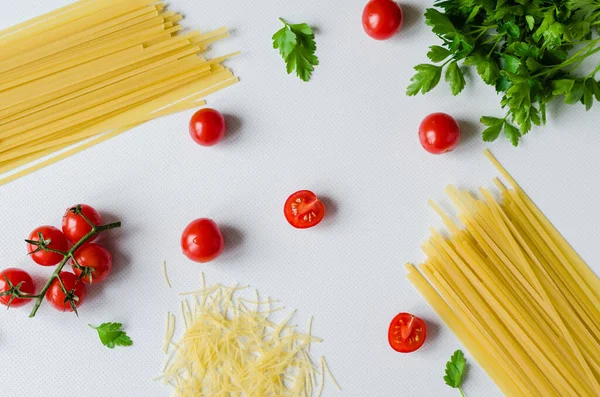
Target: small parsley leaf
point(512, 133)
point(426, 78)
point(297, 46)
point(437, 53)
point(494, 128)
point(111, 335)
point(455, 370)
point(455, 77)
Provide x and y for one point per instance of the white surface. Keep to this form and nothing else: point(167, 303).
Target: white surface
point(350, 135)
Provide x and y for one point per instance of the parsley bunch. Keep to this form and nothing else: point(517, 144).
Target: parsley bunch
point(529, 50)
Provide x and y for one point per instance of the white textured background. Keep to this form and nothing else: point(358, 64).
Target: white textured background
point(351, 136)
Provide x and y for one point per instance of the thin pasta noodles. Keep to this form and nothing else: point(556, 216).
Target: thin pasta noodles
point(94, 69)
point(515, 293)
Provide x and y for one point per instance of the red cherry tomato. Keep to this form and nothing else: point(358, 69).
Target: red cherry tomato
point(382, 19)
point(304, 210)
point(75, 287)
point(16, 277)
point(207, 127)
point(407, 333)
point(97, 259)
point(439, 133)
point(57, 242)
point(202, 241)
point(75, 227)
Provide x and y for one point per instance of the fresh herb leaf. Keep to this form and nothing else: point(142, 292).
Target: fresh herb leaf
point(111, 335)
point(494, 129)
point(486, 67)
point(455, 77)
point(512, 133)
point(438, 54)
point(297, 46)
point(455, 371)
point(427, 77)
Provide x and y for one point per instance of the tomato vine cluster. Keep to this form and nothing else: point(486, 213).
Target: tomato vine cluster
point(49, 246)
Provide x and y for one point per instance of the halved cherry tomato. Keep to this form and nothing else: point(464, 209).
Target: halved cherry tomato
point(202, 241)
point(97, 259)
point(207, 127)
point(304, 210)
point(382, 19)
point(439, 133)
point(407, 333)
point(75, 287)
point(75, 227)
point(16, 277)
point(57, 241)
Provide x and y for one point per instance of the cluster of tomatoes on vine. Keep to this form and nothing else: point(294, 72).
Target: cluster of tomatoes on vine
point(49, 246)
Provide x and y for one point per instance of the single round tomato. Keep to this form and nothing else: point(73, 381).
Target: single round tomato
point(55, 240)
point(202, 241)
point(97, 259)
point(75, 288)
point(15, 277)
point(303, 209)
point(382, 19)
point(75, 227)
point(207, 127)
point(439, 133)
point(407, 333)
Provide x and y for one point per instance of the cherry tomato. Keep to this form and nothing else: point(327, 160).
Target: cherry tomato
point(304, 210)
point(382, 19)
point(207, 127)
point(407, 333)
point(57, 242)
point(202, 241)
point(75, 287)
point(97, 259)
point(439, 133)
point(16, 277)
point(75, 227)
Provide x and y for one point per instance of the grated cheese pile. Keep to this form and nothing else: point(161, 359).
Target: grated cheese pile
point(231, 347)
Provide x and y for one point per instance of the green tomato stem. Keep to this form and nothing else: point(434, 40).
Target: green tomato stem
point(67, 255)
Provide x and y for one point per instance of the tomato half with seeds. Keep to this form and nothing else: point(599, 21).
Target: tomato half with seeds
point(303, 209)
point(407, 333)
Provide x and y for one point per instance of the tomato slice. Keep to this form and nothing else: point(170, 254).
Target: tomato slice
point(303, 209)
point(407, 333)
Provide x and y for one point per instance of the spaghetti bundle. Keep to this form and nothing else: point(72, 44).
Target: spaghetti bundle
point(92, 70)
point(515, 293)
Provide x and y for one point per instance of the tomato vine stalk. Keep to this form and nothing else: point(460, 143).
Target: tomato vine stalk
point(71, 298)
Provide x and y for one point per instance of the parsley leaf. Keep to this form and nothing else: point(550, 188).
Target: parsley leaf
point(455, 77)
point(455, 371)
point(437, 53)
point(297, 46)
point(112, 335)
point(494, 129)
point(427, 77)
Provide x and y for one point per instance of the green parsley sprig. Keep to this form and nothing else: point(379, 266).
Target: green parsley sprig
point(297, 46)
point(455, 371)
point(531, 51)
point(112, 334)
